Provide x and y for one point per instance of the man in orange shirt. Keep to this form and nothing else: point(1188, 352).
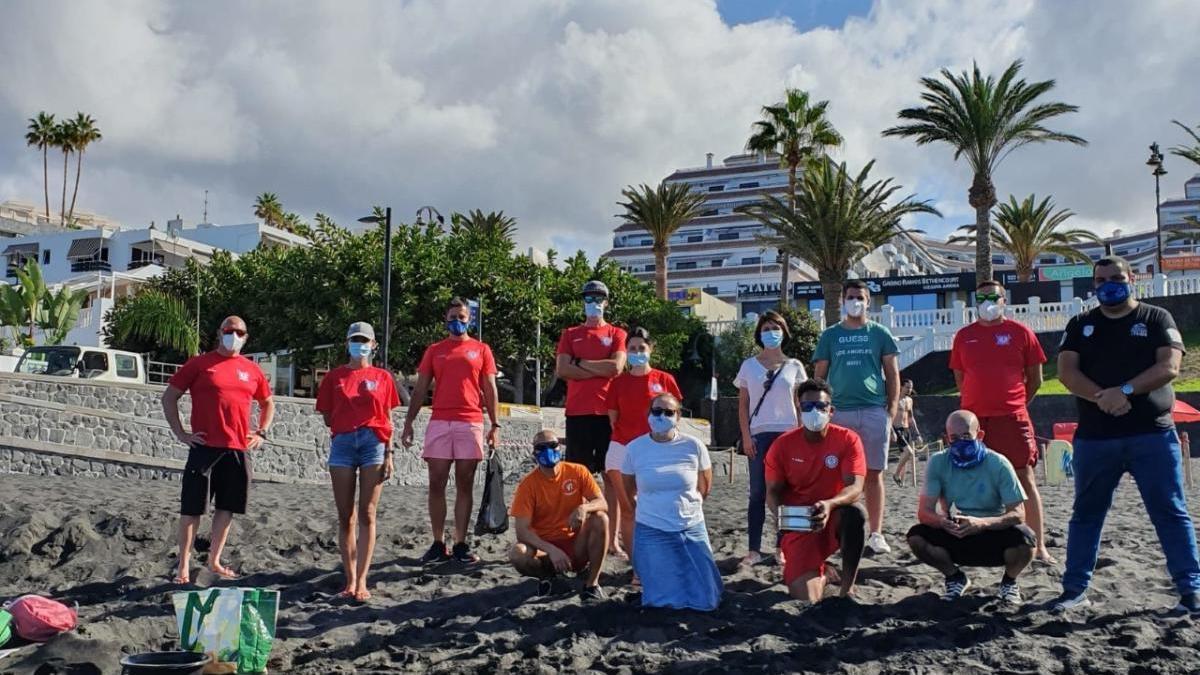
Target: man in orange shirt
point(561, 520)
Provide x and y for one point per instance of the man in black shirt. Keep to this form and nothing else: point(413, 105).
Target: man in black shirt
point(1119, 360)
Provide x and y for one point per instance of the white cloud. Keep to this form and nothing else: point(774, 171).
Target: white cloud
point(547, 108)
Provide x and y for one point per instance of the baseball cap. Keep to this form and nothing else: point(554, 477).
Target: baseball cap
point(361, 328)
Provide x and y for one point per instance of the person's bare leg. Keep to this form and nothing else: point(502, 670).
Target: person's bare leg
point(464, 496)
point(619, 511)
point(220, 533)
point(342, 478)
point(528, 561)
point(808, 587)
point(1016, 559)
point(439, 475)
point(370, 486)
point(593, 543)
point(875, 494)
point(187, 534)
point(1033, 512)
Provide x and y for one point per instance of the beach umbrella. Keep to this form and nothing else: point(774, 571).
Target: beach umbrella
point(1184, 412)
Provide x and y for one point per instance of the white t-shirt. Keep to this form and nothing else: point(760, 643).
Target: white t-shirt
point(778, 412)
point(668, 498)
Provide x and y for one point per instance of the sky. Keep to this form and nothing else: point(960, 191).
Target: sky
point(546, 109)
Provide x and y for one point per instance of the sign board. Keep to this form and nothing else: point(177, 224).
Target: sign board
point(758, 290)
point(1181, 262)
point(1064, 272)
point(684, 297)
point(914, 285)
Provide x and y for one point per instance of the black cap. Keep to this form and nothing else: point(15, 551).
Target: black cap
point(594, 287)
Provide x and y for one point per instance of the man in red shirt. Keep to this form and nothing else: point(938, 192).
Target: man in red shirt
point(823, 466)
point(465, 373)
point(997, 365)
point(222, 384)
point(589, 357)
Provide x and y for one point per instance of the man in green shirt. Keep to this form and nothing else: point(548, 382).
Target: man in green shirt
point(858, 358)
point(982, 523)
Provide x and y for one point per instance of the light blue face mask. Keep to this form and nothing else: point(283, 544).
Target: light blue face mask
point(771, 338)
point(593, 310)
point(636, 359)
point(360, 350)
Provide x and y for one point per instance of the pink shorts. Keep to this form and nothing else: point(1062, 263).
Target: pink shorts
point(453, 440)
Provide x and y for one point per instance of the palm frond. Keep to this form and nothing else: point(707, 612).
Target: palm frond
point(160, 318)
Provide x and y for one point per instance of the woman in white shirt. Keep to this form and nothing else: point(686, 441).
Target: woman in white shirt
point(766, 385)
point(667, 475)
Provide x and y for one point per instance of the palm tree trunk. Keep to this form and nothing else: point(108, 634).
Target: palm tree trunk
point(46, 180)
point(62, 211)
point(785, 260)
point(982, 196)
point(1024, 273)
point(75, 192)
point(831, 288)
point(660, 273)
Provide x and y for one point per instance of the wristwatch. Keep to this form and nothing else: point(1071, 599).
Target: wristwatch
point(1127, 389)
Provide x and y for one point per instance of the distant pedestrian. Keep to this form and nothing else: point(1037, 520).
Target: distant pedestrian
point(904, 431)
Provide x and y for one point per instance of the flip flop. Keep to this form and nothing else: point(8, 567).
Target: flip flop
point(225, 573)
point(182, 579)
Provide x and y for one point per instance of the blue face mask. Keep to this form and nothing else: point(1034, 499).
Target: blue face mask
point(771, 338)
point(1113, 293)
point(661, 424)
point(967, 454)
point(636, 359)
point(359, 350)
point(593, 310)
point(457, 327)
point(547, 457)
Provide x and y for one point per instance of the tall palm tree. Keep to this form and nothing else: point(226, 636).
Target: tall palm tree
point(64, 140)
point(983, 119)
point(838, 218)
point(798, 131)
point(1026, 230)
point(494, 223)
point(661, 211)
point(268, 209)
point(84, 132)
point(41, 135)
point(1193, 153)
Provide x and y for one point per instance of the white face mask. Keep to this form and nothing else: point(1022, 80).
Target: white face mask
point(815, 420)
point(855, 308)
point(232, 342)
point(990, 311)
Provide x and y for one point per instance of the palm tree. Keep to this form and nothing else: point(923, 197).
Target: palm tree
point(64, 140)
point(159, 317)
point(268, 209)
point(983, 119)
point(798, 131)
point(492, 224)
point(1027, 230)
point(661, 211)
point(838, 218)
point(41, 135)
point(84, 132)
point(1193, 153)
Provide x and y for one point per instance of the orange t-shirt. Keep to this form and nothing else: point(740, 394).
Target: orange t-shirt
point(548, 502)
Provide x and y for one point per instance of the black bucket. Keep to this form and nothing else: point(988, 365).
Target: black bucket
point(164, 663)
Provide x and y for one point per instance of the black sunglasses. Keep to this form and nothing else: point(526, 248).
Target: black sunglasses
point(234, 331)
point(594, 299)
point(659, 412)
point(809, 406)
point(961, 437)
point(548, 445)
point(360, 338)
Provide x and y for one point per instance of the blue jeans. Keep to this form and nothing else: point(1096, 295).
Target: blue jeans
point(1154, 461)
point(756, 511)
point(353, 449)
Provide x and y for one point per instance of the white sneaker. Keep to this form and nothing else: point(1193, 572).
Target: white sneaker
point(878, 544)
point(752, 558)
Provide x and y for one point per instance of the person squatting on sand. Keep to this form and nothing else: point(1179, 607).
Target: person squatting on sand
point(859, 358)
point(356, 400)
point(997, 366)
point(561, 520)
point(820, 465)
point(983, 523)
point(667, 476)
point(589, 357)
point(1119, 360)
point(463, 373)
point(222, 383)
point(763, 416)
point(628, 399)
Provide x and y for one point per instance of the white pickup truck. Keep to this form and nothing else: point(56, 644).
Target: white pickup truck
point(93, 363)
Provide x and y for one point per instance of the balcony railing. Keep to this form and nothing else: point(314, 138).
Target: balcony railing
point(90, 266)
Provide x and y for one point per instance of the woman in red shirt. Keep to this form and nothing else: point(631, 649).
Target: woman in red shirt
point(357, 401)
point(629, 398)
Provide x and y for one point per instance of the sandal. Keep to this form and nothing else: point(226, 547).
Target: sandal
point(225, 573)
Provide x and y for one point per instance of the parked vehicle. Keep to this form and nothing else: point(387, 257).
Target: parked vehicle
point(93, 363)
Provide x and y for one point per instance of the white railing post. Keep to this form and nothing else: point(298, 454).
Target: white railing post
point(1158, 286)
point(960, 313)
point(819, 316)
point(1034, 320)
point(887, 316)
point(1076, 306)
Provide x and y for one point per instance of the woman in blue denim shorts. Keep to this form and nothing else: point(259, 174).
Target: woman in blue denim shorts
point(357, 401)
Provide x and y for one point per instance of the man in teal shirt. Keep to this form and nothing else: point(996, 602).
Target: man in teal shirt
point(858, 357)
point(983, 524)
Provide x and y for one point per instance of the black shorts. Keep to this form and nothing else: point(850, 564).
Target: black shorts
point(985, 549)
point(217, 474)
point(587, 440)
point(903, 437)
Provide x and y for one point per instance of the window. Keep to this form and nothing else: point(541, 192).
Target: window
point(690, 265)
point(645, 242)
point(744, 186)
point(1047, 261)
point(694, 238)
point(94, 361)
point(718, 262)
point(756, 260)
point(727, 236)
point(126, 366)
point(46, 257)
point(712, 290)
point(716, 188)
point(708, 212)
point(649, 267)
point(997, 260)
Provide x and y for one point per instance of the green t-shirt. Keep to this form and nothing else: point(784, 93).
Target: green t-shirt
point(855, 359)
point(982, 491)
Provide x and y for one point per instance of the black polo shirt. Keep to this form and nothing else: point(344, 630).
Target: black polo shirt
point(1113, 352)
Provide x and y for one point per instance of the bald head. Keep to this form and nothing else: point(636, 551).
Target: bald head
point(961, 423)
point(545, 436)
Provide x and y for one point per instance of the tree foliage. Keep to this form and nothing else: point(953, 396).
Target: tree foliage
point(30, 304)
point(1028, 229)
point(661, 212)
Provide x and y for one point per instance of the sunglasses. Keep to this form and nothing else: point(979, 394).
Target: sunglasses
point(660, 412)
point(234, 331)
point(593, 299)
point(960, 437)
point(809, 406)
point(987, 297)
point(360, 338)
point(548, 445)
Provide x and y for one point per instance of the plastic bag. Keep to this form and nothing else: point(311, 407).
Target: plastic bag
point(235, 624)
point(493, 513)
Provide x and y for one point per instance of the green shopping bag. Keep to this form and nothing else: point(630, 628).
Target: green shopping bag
point(235, 624)
point(5, 627)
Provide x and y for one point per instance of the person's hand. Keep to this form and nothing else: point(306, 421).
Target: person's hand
point(575, 521)
point(493, 436)
point(820, 515)
point(748, 446)
point(406, 436)
point(389, 469)
point(254, 441)
point(968, 526)
point(192, 440)
point(948, 525)
point(1113, 402)
point(561, 561)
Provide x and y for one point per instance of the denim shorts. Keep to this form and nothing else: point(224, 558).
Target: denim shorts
point(353, 449)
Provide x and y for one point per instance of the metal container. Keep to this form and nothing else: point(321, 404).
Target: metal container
point(795, 518)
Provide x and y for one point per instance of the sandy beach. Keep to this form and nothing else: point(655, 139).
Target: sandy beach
point(108, 546)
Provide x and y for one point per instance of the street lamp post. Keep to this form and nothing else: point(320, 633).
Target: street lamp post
point(387, 278)
point(1156, 161)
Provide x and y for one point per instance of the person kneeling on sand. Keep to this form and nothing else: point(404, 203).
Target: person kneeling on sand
point(561, 520)
point(821, 466)
point(990, 530)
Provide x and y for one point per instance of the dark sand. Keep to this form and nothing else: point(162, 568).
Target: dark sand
point(108, 545)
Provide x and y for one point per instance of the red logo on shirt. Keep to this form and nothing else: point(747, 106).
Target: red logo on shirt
point(569, 486)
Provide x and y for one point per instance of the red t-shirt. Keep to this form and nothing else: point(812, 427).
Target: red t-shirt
point(587, 397)
point(458, 368)
point(358, 397)
point(630, 396)
point(992, 360)
point(815, 471)
point(222, 388)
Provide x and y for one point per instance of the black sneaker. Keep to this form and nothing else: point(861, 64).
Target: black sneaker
point(436, 553)
point(955, 587)
point(462, 553)
point(1189, 604)
point(545, 587)
point(592, 594)
point(1070, 600)
point(1009, 593)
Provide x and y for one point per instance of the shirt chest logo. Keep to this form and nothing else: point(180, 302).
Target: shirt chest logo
point(656, 388)
point(569, 486)
point(1003, 340)
point(606, 341)
point(1138, 330)
point(370, 385)
point(1088, 330)
point(473, 355)
point(831, 461)
point(243, 376)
